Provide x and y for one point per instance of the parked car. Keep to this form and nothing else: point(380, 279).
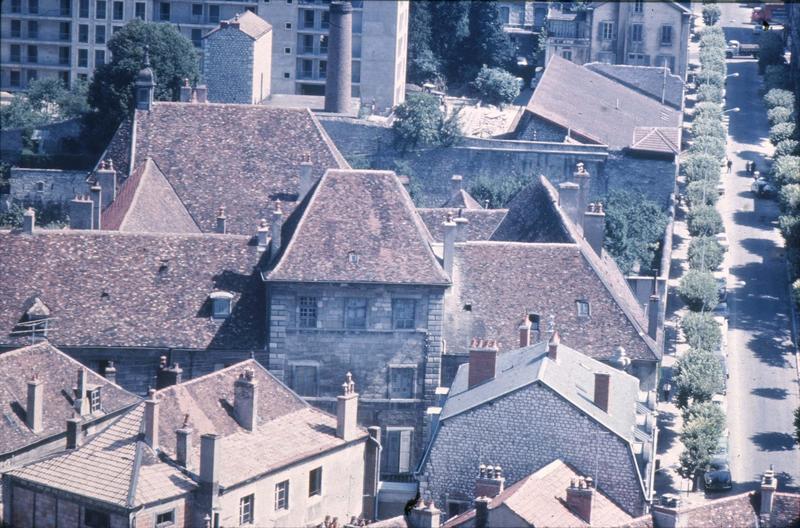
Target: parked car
point(763, 188)
point(717, 476)
point(737, 49)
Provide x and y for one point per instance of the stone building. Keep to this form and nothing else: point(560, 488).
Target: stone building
point(238, 60)
point(523, 21)
point(525, 408)
point(635, 33)
point(46, 186)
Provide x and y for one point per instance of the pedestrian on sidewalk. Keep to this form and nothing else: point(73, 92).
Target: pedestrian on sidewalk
point(666, 388)
point(730, 165)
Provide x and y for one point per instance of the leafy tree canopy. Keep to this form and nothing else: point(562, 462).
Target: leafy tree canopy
point(496, 86)
point(634, 228)
point(698, 376)
point(698, 289)
point(47, 101)
point(420, 121)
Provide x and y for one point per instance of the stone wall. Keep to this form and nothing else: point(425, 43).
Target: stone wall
point(31, 508)
point(46, 186)
point(229, 66)
point(652, 176)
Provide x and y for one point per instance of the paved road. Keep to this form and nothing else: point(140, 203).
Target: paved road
point(763, 388)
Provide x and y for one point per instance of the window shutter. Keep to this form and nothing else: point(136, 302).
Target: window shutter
point(405, 452)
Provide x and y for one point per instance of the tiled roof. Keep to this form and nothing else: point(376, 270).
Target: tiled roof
point(59, 374)
point(132, 290)
point(740, 511)
point(656, 139)
point(359, 226)
point(248, 23)
point(115, 466)
point(532, 217)
point(482, 222)
point(600, 109)
point(648, 80)
point(288, 428)
point(462, 200)
point(242, 157)
point(785, 510)
point(540, 500)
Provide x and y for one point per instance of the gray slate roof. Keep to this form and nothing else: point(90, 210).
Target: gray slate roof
point(482, 222)
point(648, 80)
point(248, 23)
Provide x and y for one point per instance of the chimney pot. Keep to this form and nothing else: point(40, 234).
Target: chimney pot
point(186, 92)
point(221, 226)
point(579, 498)
point(482, 512)
point(74, 433)
point(209, 463)
point(245, 402)
point(29, 221)
point(347, 410)
point(262, 234)
point(424, 515)
point(582, 178)
point(525, 332)
point(110, 372)
point(490, 482)
point(81, 399)
point(168, 376)
point(552, 346)
point(151, 422)
point(456, 184)
point(306, 177)
point(201, 93)
point(482, 363)
point(81, 213)
point(602, 386)
point(769, 485)
point(568, 200)
point(594, 227)
point(462, 228)
point(652, 316)
point(35, 406)
point(183, 446)
point(97, 198)
point(106, 178)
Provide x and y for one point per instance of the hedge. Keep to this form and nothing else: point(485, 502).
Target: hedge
point(705, 253)
point(701, 167)
point(709, 92)
point(789, 197)
point(704, 220)
point(778, 76)
point(779, 114)
point(708, 127)
point(713, 146)
point(777, 97)
point(786, 169)
point(703, 192)
point(781, 132)
point(787, 147)
point(698, 289)
point(707, 109)
point(702, 332)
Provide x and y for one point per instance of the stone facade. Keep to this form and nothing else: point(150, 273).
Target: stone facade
point(237, 67)
point(47, 186)
point(522, 432)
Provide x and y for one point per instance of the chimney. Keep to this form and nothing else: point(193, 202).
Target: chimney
point(245, 399)
point(552, 346)
point(168, 376)
point(482, 361)
point(340, 52)
point(145, 85)
point(186, 92)
point(482, 512)
point(594, 227)
point(220, 228)
point(449, 246)
point(652, 312)
point(372, 466)
point(74, 433)
point(81, 400)
point(81, 213)
point(306, 177)
point(602, 383)
point(275, 229)
point(456, 184)
point(201, 93)
point(667, 514)
point(106, 178)
point(582, 178)
point(568, 197)
point(579, 498)
point(525, 332)
point(262, 234)
point(97, 198)
point(28, 221)
point(183, 445)
point(490, 482)
point(151, 420)
point(35, 408)
point(462, 228)
point(110, 372)
point(424, 515)
point(769, 484)
point(209, 463)
point(347, 410)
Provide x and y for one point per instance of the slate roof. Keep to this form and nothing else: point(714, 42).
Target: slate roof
point(482, 222)
point(540, 500)
point(115, 467)
point(132, 290)
point(743, 511)
point(461, 199)
point(648, 80)
point(359, 226)
point(600, 109)
point(248, 23)
point(242, 157)
point(59, 374)
point(288, 428)
point(532, 217)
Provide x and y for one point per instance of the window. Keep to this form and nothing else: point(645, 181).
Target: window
point(83, 58)
point(397, 451)
point(63, 56)
point(306, 68)
point(163, 11)
point(287, 26)
point(40, 186)
point(287, 75)
point(165, 519)
point(66, 8)
point(287, 51)
point(139, 10)
point(305, 380)
point(99, 58)
point(197, 9)
point(33, 54)
point(64, 31)
point(100, 34)
point(583, 308)
point(505, 15)
point(15, 77)
point(16, 53)
point(308, 18)
point(33, 7)
point(197, 37)
point(96, 519)
point(401, 382)
point(323, 69)
point(33, 29)
point(282, 495)
point(326, 20)
point(16, 28)
point(213, 13)
point(666, 35)
point(666, 60)
point(307, 316)
point(355, 312)
point(83, 33)
point(83, 9)
point(606, 30)
point(94, 400)
point(308, 43)
point(323, 43)
point(114, 29)
point(638, 6)
point(246, 507)
point(403, 312)
point(119, 10)
point(221, 304)
point(567, 54)
point(638, 59)
point(100, 9)
point(315, 482)
point(16, 6)
point(636, 32)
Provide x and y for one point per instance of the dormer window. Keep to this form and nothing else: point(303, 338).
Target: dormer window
point(221, 304)
point(94, 400)
point(583, 308)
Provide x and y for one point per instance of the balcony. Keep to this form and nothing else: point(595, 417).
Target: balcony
point(48, 14)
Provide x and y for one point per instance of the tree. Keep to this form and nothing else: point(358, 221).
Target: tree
point(705, 253)
point(710, 145)
point(698, 289)
point(777, 97)
point(449, 29)
point(704, 220)
point(770, 49)
point(708, 127)
point(497, 190)
point(423, 65)
point(778, 76)
point(789, 197)
point(420, 121)
point(703, 426)
point(708, 110)
point(779, 114)
point(786, 169)
point(711, 77)
point(698, 377)
point(699, 166)
point(634, 229)
point(710, 93)
point(488, 43)
point(703, 192)
point(781, 132)
point(711, 14)
point(496, 86)
point(702, 332)
point(46, 101)
point(787, 147)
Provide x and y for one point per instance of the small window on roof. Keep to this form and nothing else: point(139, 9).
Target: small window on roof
point(583, 308)
point(94, 399)
point(221, 304)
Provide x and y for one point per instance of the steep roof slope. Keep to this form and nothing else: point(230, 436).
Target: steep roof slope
point(482, 222)
point(532, 217)
point(649, 80)
point(248, 23)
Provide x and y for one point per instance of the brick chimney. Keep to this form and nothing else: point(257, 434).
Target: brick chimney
point(151, 420)
point(209, 465)
point(347, 410)
point(525, 332)
point(338, 85)
point(602, 386)
point(34, 410)
point(568, 196)
point(462, 228)
point(110, 372)
point(456, 184)
point(769, 485)
point(490, 482)
point(482, 361)
point(449, 245)
point(582, 178)
point(183, 444)
point(552, 346)
point(186, 92)
point(221, 221)
point(306, 177)
point(168, 376)
point(97, 197)
point(652, 311)
point(81, 213)
point(482, 512)
point(106, 178)
point(74, 433)
point(275, 230)
point(424, 515)
point(28, 221)
point(372, 466)
point(245, 399)
point(594, 227)
point(579, 498)
point(81, 400)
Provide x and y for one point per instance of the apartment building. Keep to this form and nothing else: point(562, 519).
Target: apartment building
point(523, 21)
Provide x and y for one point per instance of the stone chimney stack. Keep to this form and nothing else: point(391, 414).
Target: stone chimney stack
point(275, 230)
point(338, 86)
point(652, 311)
point(449, 245)
point(209, 465)
point(106, 178)
point(602, 386)
point(262, 235)
point(525, 332)
point(221, 221)
point(667, 513)
point(482, 361)
point(34, 411)
point(769, 485)
point(245, 399)
point(81, 398)
point(28, 221)
point(456, 184)
point(110, 372)
point(347, 410)
point(151, 420)
point(168, 376)
point(97, 198)
point(201, 93)
point(81, 213)
point(582, 178)
point(579, 498)
point(490, 482)
point(424, 515)
point(568, 198)
point(552, 346)
point(186, 92)
point(594, 227)
point(183, 444)
point(306, 177)
point(482, 512)
point(462, 228)
point(74, 433)
point(372, 473)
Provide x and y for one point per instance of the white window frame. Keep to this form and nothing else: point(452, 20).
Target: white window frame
point(318, 491)
point(164, 524)
point(403, 466)
point(413, 369)
point(282, 488)
point(607, 30)
point(247, 509)
point(634, 32)
point(579, 303)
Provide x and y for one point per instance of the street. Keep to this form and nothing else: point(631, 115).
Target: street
point(763, 385)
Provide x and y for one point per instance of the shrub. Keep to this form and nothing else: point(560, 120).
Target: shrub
point(698, 377)
point(698, 289)
point(777, 97)
point(789, 197)
point(705, 253)
point(421, 121)
point(711, 77)
point(496, 86)
point(790, 229)
point(709, 110)
point(702, 192)
point(713, 59)
point(700, 167)
point(787, 147)
point(778, 76)
point(704, 220)
point(779, 114)
point(786, 169)
point(707, 127)
point(709, 92)
point(497, 190)
point(781, 132)
point(770, 49)
point(702, 332)
point(703, 424)
point(713, 146)
point(711, 14)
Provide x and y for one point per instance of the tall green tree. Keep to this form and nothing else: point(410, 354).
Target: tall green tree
point(423, 65)
point(634, 228)
point(420, 121)
point(46, 101)
point(698, 376)
point(488, 44)
point(703, 425)
point(449, 29)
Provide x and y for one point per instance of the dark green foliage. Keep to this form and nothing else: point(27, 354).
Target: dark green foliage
point(786, 169)
point(703, 425)
point(498, 191)
point(711, 77)
point(420, 121)
point(705, 253)
point(711, 14)
point(51, 216)
point(709, 93)
point(789, 197)
point(423, 65)
point(634, 230)
point(777, 97)
point(770, 49)
point(449, 29)
point(704, 220)
point(488, 44)
point(496, 86)
point(47, 101)
point(698, 289)
point(698, 377)
point(712, 146)
point(707, 126)
point(778, 76)
point(780, 114)
point(702, 192)
point(797, 425)
point(787, 147)
point(702, 331)
point(700, 167)
point(781, 132)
